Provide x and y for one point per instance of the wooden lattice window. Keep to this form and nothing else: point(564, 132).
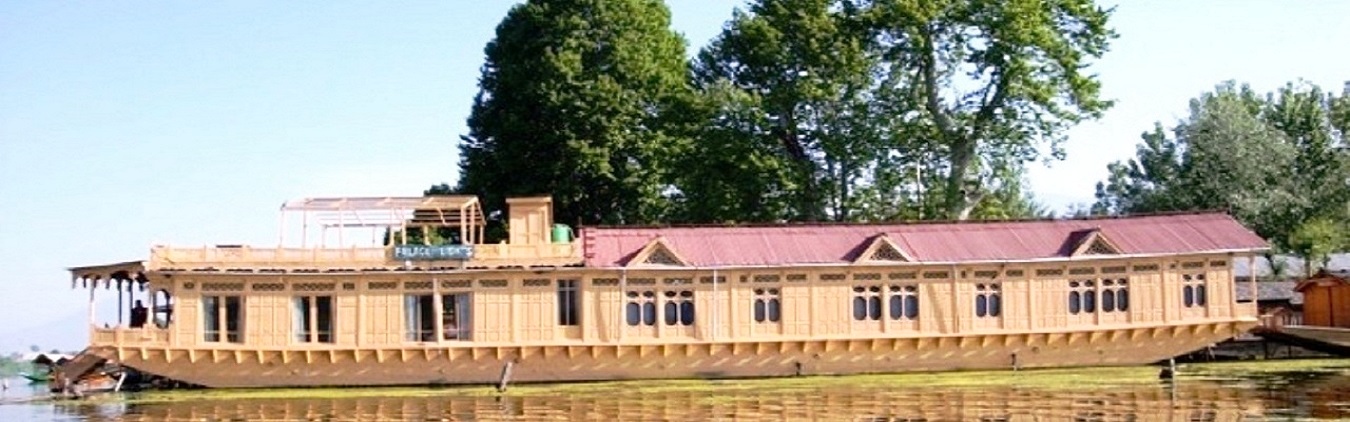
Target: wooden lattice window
point(417, 285)
point(766, 278)
point(1146, 267)
point(314, 287)
point(537, 282)
point(936, 274)
point(456, 284)
point(661, 256)
point(1082, 271)
point(1099, 247)
point(223, 287)
point(267, 287)
point(886, 252)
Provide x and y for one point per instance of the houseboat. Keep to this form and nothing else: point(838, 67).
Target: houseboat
point(429, 301)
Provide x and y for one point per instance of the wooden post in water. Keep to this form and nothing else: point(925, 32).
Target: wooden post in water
point(506, 377)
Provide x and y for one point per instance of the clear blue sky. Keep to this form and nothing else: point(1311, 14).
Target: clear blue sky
point(188, 123)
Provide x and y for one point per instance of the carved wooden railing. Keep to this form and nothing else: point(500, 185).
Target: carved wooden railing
point(123, 336)
point(247, 257)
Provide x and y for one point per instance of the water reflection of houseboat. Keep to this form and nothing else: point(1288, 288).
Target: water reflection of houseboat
point(670, 302)
point(1192, 402)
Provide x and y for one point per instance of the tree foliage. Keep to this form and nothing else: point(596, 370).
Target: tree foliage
point(1316, 239)
point(867, 110)
point(573, 101)
point(847, 110)
point(991, 83)
point(787, 83)
point(1277, 162)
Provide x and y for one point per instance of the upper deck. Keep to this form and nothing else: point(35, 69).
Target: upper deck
point(433, 232)
point(226, 258)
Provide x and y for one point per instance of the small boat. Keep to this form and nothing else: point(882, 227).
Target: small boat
point(36, 378)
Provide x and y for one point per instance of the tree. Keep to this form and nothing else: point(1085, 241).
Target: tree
point(1276, 162)
point(802, 110)
point(571, 103)
point(726, 176)
point(1316, 239)
point(993, 82)
point(865, 108)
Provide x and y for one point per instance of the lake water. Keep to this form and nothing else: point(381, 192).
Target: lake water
point(1215, 392)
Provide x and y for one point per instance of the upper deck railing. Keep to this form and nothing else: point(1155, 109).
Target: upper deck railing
point(357, 258)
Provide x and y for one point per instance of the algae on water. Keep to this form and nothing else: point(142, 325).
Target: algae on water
point(1034, 379)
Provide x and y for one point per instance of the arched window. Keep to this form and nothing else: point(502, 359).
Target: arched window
point(775, 308)
point(767, 307)
point(761, 310)
point(672, 312)
point(874, 303)
point(1075, 302)
point(1123, 299)
point(866, 303)
point(981, 305)
point(687, 308)
point(634, 313)
point(1108, 300)
point(1089, 296)
point(1193, 290)
point(859, 308)
point(163, 312)
point(995, 304)
point(649, 308)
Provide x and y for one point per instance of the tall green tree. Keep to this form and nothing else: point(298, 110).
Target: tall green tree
point(802, 106)
point(994, 83)
point(573, 102)
point(1277, 162)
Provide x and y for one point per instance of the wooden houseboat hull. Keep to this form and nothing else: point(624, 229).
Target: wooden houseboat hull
point(541, 364)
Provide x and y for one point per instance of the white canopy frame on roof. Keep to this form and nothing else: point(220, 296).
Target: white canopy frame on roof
point(384, 213)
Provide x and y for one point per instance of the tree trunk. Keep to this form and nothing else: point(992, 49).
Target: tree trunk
point(959, 201)
point(809, 198)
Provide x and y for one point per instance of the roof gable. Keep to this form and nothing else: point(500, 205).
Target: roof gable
point(880, 250)
point(1093, 242)
point(657, 254)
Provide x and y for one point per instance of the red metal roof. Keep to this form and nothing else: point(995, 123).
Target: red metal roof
point(924, 242)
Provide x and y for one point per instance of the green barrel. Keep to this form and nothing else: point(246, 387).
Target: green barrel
point(562, 233)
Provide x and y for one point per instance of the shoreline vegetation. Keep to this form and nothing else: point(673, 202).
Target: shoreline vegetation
point(1093, 378)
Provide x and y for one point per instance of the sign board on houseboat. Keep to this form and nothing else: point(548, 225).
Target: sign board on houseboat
point(433, 252)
